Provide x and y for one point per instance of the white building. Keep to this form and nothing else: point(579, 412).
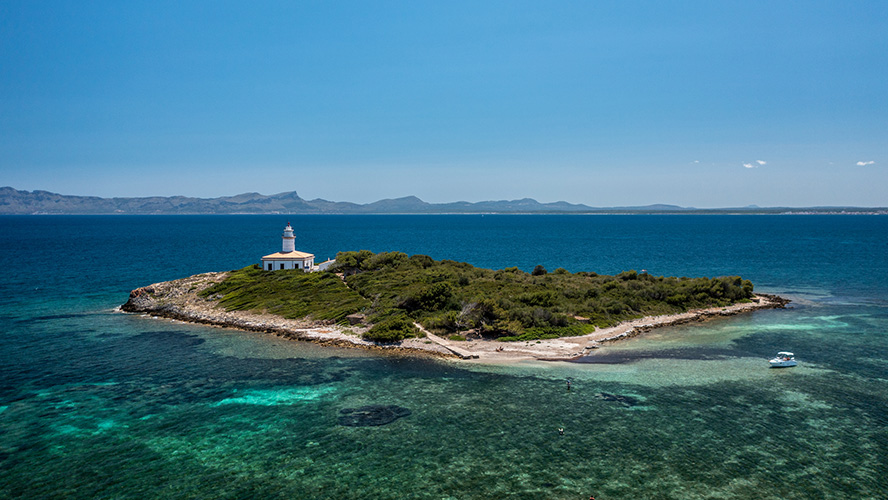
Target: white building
point(288, 257)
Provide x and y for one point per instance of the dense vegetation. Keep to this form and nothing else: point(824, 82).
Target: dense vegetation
point(446, 297)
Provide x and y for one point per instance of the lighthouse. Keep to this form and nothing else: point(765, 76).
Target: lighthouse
point(288, 257)
point(289, 240)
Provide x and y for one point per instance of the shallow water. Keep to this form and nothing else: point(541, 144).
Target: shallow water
point(95, 403)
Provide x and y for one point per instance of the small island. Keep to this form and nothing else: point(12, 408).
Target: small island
point(394, 301)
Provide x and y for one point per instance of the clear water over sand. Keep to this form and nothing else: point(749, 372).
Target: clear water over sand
point(95, 403)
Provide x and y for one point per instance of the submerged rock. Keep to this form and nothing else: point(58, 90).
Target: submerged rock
point(371, 415)
point(624, 400)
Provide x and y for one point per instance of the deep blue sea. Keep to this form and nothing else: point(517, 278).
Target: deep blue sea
point(99, 404)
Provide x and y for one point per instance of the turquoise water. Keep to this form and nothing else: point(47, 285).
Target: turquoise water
point(98, 404)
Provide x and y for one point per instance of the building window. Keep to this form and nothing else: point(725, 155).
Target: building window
point(269, 266)
point(282, 266)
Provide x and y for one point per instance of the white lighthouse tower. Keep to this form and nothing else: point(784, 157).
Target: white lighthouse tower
point(289, 240)
point(288, 257)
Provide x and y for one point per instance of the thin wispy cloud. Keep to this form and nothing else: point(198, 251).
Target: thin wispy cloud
point(755, 164)
point(865, 163)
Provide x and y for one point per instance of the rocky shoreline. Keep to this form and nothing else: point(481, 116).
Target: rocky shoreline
point(180, 300)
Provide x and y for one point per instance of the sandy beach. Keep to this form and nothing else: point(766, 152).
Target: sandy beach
point(180, 300)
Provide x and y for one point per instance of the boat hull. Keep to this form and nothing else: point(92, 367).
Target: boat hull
point(779, 363)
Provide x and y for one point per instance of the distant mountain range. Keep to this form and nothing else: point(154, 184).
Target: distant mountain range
point(16, 202)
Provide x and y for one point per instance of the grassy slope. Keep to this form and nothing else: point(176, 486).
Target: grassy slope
point(288, 293)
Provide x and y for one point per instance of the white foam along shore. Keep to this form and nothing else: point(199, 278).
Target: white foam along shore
point(180, 300)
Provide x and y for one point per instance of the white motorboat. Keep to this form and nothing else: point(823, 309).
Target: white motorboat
point(783, 359)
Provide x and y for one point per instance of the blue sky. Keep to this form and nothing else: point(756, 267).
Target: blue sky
point(706, 104)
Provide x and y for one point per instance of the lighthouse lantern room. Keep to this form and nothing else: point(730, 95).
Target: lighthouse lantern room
point(288, 257)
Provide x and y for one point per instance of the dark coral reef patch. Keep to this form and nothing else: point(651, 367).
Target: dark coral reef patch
point(371, 415)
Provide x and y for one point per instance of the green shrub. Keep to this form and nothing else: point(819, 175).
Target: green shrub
point(442, 322)
point(423, 261)
point(546, 298)
point(384, 259)
point(391, 330)
point(429, 297)
point(628, 275)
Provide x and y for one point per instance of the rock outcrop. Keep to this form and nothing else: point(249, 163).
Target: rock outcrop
point(180, 300)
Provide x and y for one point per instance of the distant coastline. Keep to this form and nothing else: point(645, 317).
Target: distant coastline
point(180, 300)
point(18, 202)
